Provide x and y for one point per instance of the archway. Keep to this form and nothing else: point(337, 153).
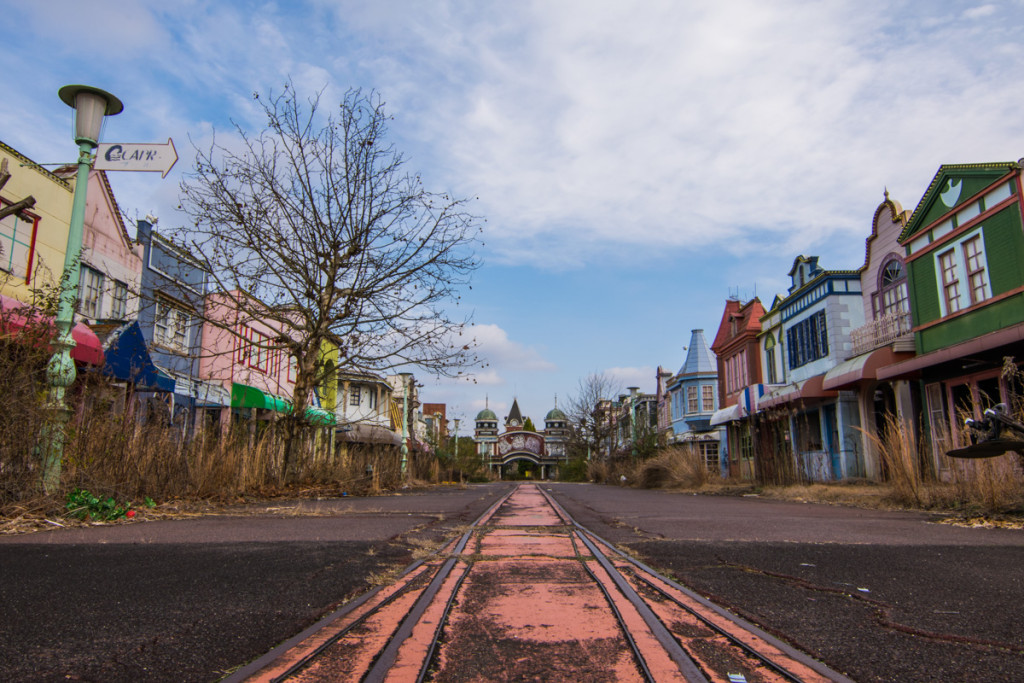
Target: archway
point(522, 465)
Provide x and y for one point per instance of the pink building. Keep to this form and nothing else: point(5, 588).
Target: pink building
point(243, 360)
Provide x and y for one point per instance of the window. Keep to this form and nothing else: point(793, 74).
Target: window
point(961, 274)
point(709, 451)
point(258, 354)
point(90, 287)
point(17, 238)
point(807, 340)
point(371, 397)
point(707, 398)
point(891, 297)
point(355, 396)
point(975, 260)
point(736, 372)
point(692, 405)
point(171, 327)
point(769, 359)
point(950, 281)
point(119, 301)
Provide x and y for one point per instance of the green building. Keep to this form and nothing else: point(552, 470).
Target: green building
point(965, 271)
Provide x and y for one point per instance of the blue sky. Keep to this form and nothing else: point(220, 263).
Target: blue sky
point(637, 162)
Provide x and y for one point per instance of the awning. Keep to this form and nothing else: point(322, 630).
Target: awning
point(373, 434)
point(244, 396)
point(862, 367)
point(727, 414)
point(210, 394)
point(128, 359)
point(807, 389)
point(986, 342)
point(319, 416)
point(15, 315)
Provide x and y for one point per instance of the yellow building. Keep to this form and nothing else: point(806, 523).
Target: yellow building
point(32, 243)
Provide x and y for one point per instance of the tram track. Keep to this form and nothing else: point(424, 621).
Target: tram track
point(523, 588)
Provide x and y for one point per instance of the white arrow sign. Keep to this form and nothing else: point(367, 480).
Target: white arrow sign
point(130, 156)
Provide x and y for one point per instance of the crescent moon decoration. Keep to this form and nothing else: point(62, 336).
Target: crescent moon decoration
point(951, 193)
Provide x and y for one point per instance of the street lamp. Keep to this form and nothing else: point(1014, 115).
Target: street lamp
point(456, 453)
point(406, 381)
point(91, 105)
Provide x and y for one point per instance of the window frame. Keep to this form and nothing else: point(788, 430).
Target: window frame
point(118, 300)
point(807, 340)
point(962, 286)
point(90, 292)
point(7, 263)
point(692, 400)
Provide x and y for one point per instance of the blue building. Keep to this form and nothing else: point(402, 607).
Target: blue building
point(172, 288)
point(804, 335)
point(693, 399)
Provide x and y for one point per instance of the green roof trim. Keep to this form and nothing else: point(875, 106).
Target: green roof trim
point(951, 187)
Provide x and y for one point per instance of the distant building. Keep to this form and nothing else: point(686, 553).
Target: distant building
point(544, 449)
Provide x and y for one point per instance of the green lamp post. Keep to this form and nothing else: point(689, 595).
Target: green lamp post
point(91, 105)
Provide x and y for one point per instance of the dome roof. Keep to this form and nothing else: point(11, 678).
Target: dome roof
point(486, 414)
point(555, 415)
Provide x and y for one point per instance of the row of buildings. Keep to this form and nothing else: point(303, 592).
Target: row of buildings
point(928, 331)
point(143, 323)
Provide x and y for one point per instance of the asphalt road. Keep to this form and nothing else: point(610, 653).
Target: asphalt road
point(191, 600)
point(880, 596)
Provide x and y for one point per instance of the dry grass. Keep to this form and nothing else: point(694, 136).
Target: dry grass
point(676, 467)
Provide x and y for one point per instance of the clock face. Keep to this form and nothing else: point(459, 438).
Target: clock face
point(513, 422)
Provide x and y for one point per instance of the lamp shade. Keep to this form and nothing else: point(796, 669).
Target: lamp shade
point(90, 105)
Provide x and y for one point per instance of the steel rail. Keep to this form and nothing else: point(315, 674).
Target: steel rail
point(687, 666)
point(750, 650)
point(253, 668)
point(743, 624)
point(428, 660)
point(637, 654)
point(387, 657)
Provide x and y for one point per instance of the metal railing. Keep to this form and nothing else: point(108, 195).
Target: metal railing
point(881, 332)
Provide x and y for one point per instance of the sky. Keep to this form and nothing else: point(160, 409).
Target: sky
point(636, 162)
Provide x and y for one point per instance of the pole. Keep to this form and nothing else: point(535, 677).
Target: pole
point(60, 371)
point(405, 425)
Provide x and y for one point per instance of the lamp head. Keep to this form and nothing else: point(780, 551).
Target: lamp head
point(91, 105)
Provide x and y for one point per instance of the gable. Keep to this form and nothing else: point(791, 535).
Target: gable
point(952, 186)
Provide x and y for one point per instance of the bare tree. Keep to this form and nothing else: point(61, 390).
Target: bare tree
point(314, 227)
point(591, 425)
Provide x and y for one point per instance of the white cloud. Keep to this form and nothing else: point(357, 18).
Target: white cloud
point(642, 377)
point(504, 355)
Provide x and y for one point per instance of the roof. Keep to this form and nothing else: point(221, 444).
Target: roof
point(486, 414)
point(514, 413)
point(747, 315)
point(699, 359)
point(554, 414)
point(952, 186)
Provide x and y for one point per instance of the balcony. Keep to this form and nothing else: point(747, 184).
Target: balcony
point(888, 329)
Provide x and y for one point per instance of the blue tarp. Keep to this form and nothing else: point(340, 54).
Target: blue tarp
point(128, 360)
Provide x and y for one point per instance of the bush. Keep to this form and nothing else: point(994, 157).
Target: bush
point(676, 467)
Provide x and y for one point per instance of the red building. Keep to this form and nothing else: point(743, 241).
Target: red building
point(740, 380)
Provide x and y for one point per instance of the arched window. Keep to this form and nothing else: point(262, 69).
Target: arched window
point(891, 297)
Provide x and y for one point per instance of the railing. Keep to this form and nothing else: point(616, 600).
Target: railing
point(881, 332)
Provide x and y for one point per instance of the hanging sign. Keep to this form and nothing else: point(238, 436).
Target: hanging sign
point(131, 156)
